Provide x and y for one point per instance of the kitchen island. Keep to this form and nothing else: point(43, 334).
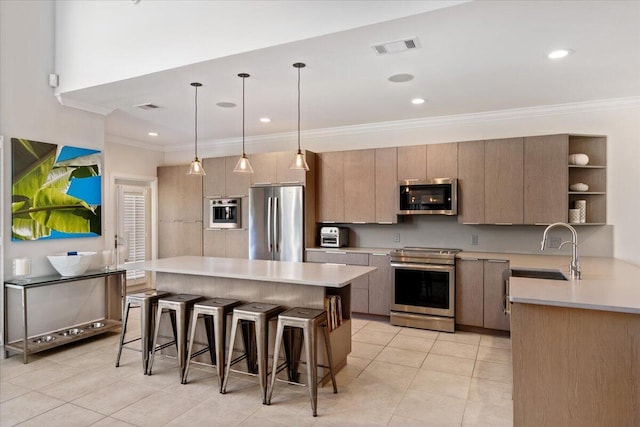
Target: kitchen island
point(576, 344)
point(289, 284)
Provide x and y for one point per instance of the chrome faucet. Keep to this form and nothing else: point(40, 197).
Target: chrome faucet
point(574, 267)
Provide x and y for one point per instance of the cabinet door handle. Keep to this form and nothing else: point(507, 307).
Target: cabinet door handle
point(262, 183)
point(328, 222)
point(469, 259)
point(334, 263)
point(337, 252)
point(471, 223)
point(385, 222)
point(359, 222)
point(290, 182)
point(237, 195)
point(376, 254)
point(498, 260)
point(503, 223)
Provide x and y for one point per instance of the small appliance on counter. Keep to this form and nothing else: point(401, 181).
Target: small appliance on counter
point(334, 237)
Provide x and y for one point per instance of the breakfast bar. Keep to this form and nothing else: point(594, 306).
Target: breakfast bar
point(289, 284)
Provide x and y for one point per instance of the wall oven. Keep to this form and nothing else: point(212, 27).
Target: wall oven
point(225, 212)
point(423, 291)
point(434, 197)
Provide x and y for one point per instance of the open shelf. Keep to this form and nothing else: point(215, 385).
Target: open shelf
point(593, 174)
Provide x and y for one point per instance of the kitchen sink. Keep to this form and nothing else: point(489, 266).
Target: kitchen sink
point(533, 273)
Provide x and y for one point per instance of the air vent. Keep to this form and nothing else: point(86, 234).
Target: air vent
point(396, 46)
point(147, 106)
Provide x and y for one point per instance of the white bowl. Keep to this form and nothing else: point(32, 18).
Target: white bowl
point(579, 186)
point(71, 265)
point(579, 159)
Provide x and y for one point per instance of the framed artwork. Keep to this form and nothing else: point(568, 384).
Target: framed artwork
point(56, 191)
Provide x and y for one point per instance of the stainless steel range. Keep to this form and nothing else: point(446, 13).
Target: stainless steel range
point(423, 291)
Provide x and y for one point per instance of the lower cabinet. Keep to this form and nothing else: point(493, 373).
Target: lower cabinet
point(480, 293)
point(179, 238)
point(226, 243)
point(369, 294)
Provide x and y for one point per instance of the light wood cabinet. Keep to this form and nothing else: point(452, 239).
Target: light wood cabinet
point(386, 185)
point(264, 168)
point(471, 188)
point(237, 183)
point(503, 180)
point(179, 194)
point(480, 293)
point(545, 179)
point(273, 168)
point(412, 163)
point(359, 173)
point(442, 160)
point(214, 243)
point(330, 194)
point(494, 291)
point(237, 244)
point(594, 174)
point(215, 181)
point(284, 175)
point(359, 299)
point(470, 292)
point(380, 284)
point(178, 238)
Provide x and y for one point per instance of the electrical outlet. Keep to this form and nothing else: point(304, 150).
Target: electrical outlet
point(554, 242)
point(396, 237)
point(474, 240)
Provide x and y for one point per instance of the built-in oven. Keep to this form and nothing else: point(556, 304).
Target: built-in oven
point(423, 291)
point(434, 197)
point(225, 212)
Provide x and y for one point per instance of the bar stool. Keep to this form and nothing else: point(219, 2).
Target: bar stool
point(178, 306)
point(146, 301)
point(214, 313)
point(255, 318)
point(309, 320)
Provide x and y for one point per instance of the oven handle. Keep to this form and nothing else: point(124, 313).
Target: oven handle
point(424, 267)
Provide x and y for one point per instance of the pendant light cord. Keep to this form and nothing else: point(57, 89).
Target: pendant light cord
point(243, 154)
point(196, 125)
point(298, 109)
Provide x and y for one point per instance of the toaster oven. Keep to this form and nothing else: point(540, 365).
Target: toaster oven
point(334, 237)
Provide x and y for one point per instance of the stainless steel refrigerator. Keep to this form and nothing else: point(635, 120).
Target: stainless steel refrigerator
point(276, 223)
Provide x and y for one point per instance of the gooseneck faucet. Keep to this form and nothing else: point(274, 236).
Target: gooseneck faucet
point(574, 267)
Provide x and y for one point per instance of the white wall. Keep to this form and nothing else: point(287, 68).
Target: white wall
point(29, 109)
point(105, 41)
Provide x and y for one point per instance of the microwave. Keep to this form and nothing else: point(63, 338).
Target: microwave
point(225, 212)
point(437, 196)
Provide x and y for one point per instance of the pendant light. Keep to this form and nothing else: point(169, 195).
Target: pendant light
point(299, 162)
point(243, 164)
point(196, 167)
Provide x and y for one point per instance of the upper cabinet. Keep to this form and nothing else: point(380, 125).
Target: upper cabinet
point(273, 168)
point(442, 160)
point(359, 174)
point(412, 163)
point(386, 185)
point(545, 179)
point(594, 174)
point(471, 182)
point(221, 180)
point(503, 181)
point(330, 194)
point(238, 183)
point(179, 194)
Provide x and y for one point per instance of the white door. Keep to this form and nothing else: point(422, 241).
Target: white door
point(134, 229)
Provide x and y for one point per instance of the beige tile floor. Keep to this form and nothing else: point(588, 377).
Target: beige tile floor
point(394, 377)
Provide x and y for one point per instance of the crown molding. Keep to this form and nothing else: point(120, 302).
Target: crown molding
point(116, 139)
point(425, 122)
point(97, 109)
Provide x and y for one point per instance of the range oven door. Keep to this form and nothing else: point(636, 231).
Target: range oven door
point(424, 289)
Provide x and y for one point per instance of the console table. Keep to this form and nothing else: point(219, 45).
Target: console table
point(114, 297)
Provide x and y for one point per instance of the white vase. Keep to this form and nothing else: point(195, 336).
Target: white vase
point(579, 159)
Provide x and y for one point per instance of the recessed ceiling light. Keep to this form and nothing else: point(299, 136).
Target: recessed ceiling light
point(153, 134)
point(226, 104)
point(265, 119)
point(559, 53)
point(400, 78)
point(418, 101)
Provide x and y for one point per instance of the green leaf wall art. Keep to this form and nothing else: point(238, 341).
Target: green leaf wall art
point(56, 191)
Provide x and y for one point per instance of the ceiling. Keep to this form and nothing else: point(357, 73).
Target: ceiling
point(474, 57)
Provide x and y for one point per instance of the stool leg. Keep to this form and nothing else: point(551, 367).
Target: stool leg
point(219, 341)
point(192, 334)
point(276, 354)
point(208, 326)
point(262, 344)
point(232, 341)
point(327, 346)
point(310, 346)
point(123, 331)
point(155, 339)
point(145, 324)
point(182, 339)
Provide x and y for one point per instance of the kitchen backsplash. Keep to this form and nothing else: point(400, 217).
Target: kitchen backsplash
point(436, 231)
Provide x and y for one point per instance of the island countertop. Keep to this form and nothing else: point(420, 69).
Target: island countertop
point(298, 273)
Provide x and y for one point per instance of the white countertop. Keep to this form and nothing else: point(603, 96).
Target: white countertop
point(299, 273)
point(607, 283)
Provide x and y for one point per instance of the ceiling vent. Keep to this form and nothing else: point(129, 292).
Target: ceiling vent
point(147, 106)
point(396, 46)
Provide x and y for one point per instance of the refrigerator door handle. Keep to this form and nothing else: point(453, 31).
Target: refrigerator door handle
point(269, 245)
point(276, 221)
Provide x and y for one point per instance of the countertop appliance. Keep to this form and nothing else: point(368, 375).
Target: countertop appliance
point(276, 223)
point(423, 291)
point(433, 197)
point(225, 212)
point(334, 237)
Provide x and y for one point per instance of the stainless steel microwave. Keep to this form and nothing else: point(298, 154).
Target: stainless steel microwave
point(437, 196)
point(225, 212)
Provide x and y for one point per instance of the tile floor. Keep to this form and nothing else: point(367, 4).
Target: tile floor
point(394, 377)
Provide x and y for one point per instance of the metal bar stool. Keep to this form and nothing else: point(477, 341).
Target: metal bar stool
point(309, 320)
point(146, 301)
point(214, 313)
point(178, 306)
point(255, 319)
